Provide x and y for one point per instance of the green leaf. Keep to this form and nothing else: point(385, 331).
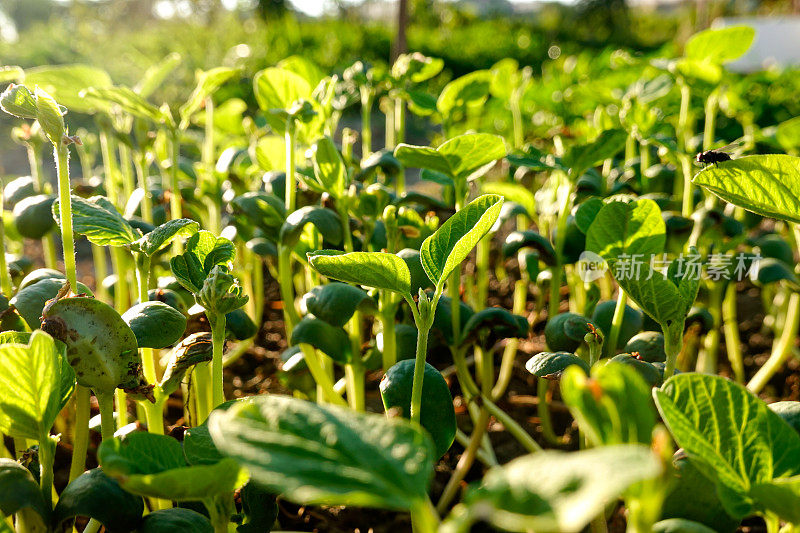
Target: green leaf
point(635, 231)
point(731, 435)
point(567, 491)
point(335, 303)
point(204, 251)
point(278, 88)
point(35, 384)
point(371, 269)
point(207, 83)
point(164, 234)
point(781, 496)
point(18, 490)
point(154, 466)
point(331, 340)
point(100, 346)
point(155, 75)
point(612, 406)
point(720, 46)
point(50, 116)
point(30, 300)
point(302, 67)
point(583, 157)
point(325, 220)
point(128, 102)
point(95, 495)
point(512, 192)
point(99, 220)
point(470, 89)
point(193, 350)
point(175, 520)
point(552, 365)
point(329, 167)
point(765, 184)
point(461, 158)
point(155, 324)
point(320, 454)
point(65, 83)
point(788, 134)
point(17, 100)
point(11, 74)
point(443, 251)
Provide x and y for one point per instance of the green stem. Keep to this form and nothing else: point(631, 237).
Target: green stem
point(140, 164)
point(673, 342)
point(516, 118)
point(510, 350)
point(399, 123)
point(202, 384)
point(733, 343)
point(61, 153)
point(100, 272)
point(175, 209)
point(707, 364)
point(782, 349)
point(218, 342)
point(127, 171)
point(423, 327)
point(511, 425)
point(323, 380)
point(366, 122)
point(290, 166)
point(543, 410)
point(6, 286)
point(107, 425)
point(616, 323)
point(709, 128)
point(482, 271)
point(211, 200)
point(386, 316)
point(465, 462)
point(80, 435)
point(47, 450)
point(286, 285)
point(424, 517)
point(561, 230)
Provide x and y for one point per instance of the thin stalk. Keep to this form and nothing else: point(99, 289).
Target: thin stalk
point(673, 342)
point(482, 271)
point(561, 230)
point(175, 207)
point(707, 364)
point(424, 517)
point(140, 164)
point(423, 327)
point(35, 162)
point(782, 350)
point(153, 411)
point(709, 128)
point(100, 272)
point(6, 286)
point(119, 261)
point(47, 449)
point(126, 170)
point(106, 404)
point(733, 343)
point(218, 342)
point(516, 118)
point(644, 164)
point(688, 195)
point(290, 166)
point(80, 435)
point(290, 316)
point(323, 380)
point(61, 153)
point(399, 120)
point(511, 425)
point(366, 122)
point(510, 350)
point(202, 383)
point(543, 410)
point(616, 323)
point(386, 316)
point(464, 462)
point(109, 162)
point(354, 371)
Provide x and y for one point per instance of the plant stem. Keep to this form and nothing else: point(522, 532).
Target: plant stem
point(80, 435)
point(733, 343)
point(386, 315)
point(616, 323)
point(707, 364)
point(513, 428)
point(366, 122)
point(424, 517)
point(543, 410)
point(100, 272)
point(286, 285)
point(6, 288)
point(202, 384)
point(482, 271)
point(47, 449)
point(782, 349)
point(218, 342)
point(140, 164)
point(323, 380)
point(673, 342)
point(510, 350)
point(561, 230)
point(61, 153)
point(211, 200)
point(107, 425)
point(290, 166)
point(423, 327)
